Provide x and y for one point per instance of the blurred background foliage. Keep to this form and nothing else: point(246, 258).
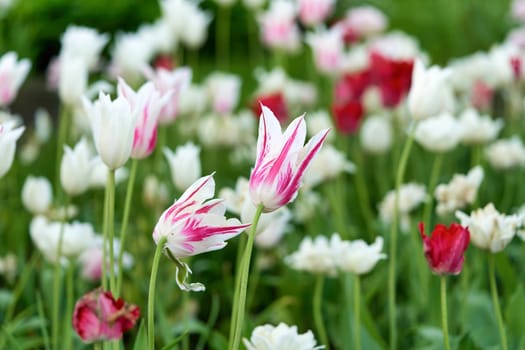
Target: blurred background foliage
point(445, 28)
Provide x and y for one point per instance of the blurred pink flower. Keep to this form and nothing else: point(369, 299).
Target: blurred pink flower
point(327, 47)
point(518, 10)
point(146, 104)
point(364, 21)
point(281, 160)
point(12, 74)
point(98, 316)
point(165, 80)
point(279, 30)
point(313, 12)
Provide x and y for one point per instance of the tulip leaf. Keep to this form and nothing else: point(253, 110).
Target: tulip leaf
point(141, 340)
point(481, 321)
point(514, 320)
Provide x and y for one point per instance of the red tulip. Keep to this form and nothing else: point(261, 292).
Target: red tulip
point(275, 102)
point(348, 116)
point(445, 248)
point(393, 77)
point(98, 316)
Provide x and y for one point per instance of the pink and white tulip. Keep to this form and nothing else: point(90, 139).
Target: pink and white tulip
point(281, 160)
point(224, 90)
point(8, 137)
point(194, 225)
point(146, 104)
point(313, 12)
point(328, 50)
point(12, 74)
point(165, 81)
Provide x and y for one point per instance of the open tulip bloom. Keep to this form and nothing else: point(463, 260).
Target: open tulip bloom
point(193, 225)
point(281, 160)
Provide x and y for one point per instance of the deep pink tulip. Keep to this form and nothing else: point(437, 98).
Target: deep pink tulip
point(445, 248)
point(98, 316)
point(281, 160)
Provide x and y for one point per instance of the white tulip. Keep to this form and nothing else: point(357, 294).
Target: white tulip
point(185, 165)
point(438, 134)
point(37, 194)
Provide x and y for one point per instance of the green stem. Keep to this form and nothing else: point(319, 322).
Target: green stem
point(393, 239)
point(357, 304)
point(318, 311)
point(61, 140)
point(57, 272)
point(151, 294)
point(97, 346)
point(362, 192)
point(105, 239)
point(125, 219)
point(434, 176)
point(335, 196)
point(444, 318)
point(495, 301)
point(20, 286)
point(161, 143)
point(41, 314)
point(238, 317)
point(185, 307)
point(111, 228)
point(69, 304)
point(238, 262)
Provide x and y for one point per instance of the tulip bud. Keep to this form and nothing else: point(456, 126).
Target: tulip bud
point(37, 194)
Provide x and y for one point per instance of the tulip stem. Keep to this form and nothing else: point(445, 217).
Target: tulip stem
point(318, 312)
point(110, 227)
point(237, 320)
point(362, 192)
point(238, 261)
point(393, 239)
point(495, 302)
point(63, 121)
point(357, 304)
point(444, 318)
point(151, 293)
point(434, 175)
point(125, 219)
point(69, 304)
point(55, 316)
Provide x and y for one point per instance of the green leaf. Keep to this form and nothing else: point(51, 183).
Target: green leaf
point(141, 341)
point(481, 321)
point(515, 320)
point(174, 342)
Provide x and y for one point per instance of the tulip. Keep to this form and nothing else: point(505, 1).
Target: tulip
point(281, 160)
point(185, 165)
point(176, 81)
point(98, 316)
point(8, 137)
point(506, 153)
point(430, 93)
point(365, 21)
point(376, 134)
point(37, 194)
point(314, 12)
point(82, 43)
point(12, 75)
point(348, 116)
point(445, 248)
point(76, 167)
point(327, 48)
point(438, 134)
point(72, 83)
point(280, 337)
point(356, 256)
point(279, 30)
point(146, 104)
point(193, 225)
point(275, 101)
point(113, 125)
point(224, 91)
point(477, 129)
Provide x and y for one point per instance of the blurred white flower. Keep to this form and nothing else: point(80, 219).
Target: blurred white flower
point(327, 164)
point(159, 36)
point(314, 256)
point(271, 227)
point(83, 45)
point(72, 83)
point(438, 134)
point(224, 91)
point(356, 257)
point(396, 45)
point(501, 72)
point(489, 229)
point(365, 21)
point(478, 129)
point(43, 125)
point(518, 10)
point(100, 172)
point(278, 27)
point(411, 195)
point(9, 134)
point(76, 238)
point(193, 100)
point(317, 121)
point(459, 192)
point(13, 73)
point(37, 194)
point(187, 21)
point(130, 54)
point(196, 30)
point(506, 153)
point(76, 167)
point(430, 93)
point(185, 165)
point(214, 130)
point(327, 47)
point(282, 337)
point(92, 258)
point(225, 3)
point(469, 69)
point(376, 134)
point(307, 205)
point(155, 193)
point(8, 266)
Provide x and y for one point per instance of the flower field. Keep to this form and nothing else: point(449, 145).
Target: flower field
point(262, 175)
